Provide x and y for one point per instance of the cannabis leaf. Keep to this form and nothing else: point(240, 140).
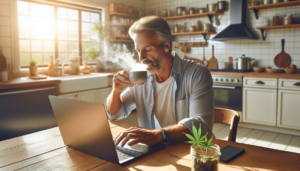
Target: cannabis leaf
point(197, 140)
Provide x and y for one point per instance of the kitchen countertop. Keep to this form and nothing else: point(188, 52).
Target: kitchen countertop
point(22, 82)
point(260, 74)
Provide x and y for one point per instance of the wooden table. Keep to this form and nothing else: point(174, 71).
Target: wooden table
point(45, 150)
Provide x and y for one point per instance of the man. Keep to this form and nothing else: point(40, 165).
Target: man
point(176, 93)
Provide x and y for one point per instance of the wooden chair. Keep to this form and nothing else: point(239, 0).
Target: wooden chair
point(230, 117)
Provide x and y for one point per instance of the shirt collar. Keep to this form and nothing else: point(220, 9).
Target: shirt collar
point(176, 63)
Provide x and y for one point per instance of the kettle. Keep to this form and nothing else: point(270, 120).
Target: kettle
point(244, 63)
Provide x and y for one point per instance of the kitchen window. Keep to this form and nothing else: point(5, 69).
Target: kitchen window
point(58, 30)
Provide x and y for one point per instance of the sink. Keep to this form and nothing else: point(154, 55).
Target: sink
point(73, 83)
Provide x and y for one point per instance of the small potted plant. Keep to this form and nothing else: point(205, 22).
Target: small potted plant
point(32, 67)
point(205, 155)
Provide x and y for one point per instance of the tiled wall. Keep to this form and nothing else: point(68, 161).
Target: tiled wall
point(263, 51)
point(5, 30)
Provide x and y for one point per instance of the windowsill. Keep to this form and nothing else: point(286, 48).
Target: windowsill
point(24, 72)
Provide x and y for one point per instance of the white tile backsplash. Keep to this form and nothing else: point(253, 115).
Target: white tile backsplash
point(6, 42)
point(5, 21)
point(5, 31)
point(7, 52)
point(263, 51)
point(5, 2)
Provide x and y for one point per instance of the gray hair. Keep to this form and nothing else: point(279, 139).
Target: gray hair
point(156, 24)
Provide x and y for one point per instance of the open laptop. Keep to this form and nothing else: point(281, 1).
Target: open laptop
point(84, 127)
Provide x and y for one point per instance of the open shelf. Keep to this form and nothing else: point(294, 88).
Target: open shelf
point(193, 33)
point(120, 24)
point(204, 33)
point(263, 28)
point(120, 37)
point(206, 14)
point(120, 40)
point(119, 13)
point(268, 6)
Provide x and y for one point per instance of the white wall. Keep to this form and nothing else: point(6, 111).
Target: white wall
point(263, 51)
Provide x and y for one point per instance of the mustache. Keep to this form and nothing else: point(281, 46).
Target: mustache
point(148, 62)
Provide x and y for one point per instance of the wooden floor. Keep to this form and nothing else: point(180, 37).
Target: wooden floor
point(256, 137)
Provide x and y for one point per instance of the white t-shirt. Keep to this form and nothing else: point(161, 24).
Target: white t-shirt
point(164, 98)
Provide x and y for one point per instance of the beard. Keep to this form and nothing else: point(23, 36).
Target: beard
point(154, 66)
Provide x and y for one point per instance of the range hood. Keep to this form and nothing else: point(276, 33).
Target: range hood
point(237, 28)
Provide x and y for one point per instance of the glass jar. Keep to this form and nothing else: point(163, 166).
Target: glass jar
point(205, 159)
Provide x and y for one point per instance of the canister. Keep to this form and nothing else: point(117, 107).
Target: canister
point(288, 20)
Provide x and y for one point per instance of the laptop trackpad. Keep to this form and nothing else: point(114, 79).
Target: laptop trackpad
point(138, 147)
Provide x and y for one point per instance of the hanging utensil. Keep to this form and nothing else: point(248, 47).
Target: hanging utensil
point(205, 62)
point(213, 62)
point(283, 59)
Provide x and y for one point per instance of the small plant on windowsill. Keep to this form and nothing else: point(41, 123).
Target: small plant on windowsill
point(32, 67)
point(205, 155)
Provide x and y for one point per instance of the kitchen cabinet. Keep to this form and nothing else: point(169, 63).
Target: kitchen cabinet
point(26, 110)
point(94, 96)
point(88, 96)
point(259, 100)
point(288, 112)
point(103, 94)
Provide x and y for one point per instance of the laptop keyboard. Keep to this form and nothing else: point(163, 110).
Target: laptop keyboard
point(125, 153)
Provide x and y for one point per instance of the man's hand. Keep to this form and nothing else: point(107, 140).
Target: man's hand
point(145, 136)
point(121, 81)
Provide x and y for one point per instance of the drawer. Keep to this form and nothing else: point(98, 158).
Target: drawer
point(289, 84)
point(260, 82)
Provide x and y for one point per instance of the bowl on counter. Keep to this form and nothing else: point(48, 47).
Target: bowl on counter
point(259, 69)
point(270, 70)
point(290, 70)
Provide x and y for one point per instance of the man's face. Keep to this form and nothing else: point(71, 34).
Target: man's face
point(150, 51)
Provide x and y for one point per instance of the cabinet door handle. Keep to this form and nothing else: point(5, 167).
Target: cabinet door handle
point(259, 82)
point(297, 84)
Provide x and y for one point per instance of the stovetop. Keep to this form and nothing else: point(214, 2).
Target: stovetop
point(230, 70)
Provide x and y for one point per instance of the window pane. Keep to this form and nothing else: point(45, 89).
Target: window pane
point(23, 21)
point(24, 33)
point(94, 38)
point(73, 36)
point(85, 45)
point(86, 27)
point(62, 13)
point(85, 16)
point(62, 46)
point(36, 33)
point(48, 28)
point(24, 45)
point(48, 11)
point(23, 7)
point(38, 57)
point(73, 14)
point(62, 57)
point(47, 56)
point(37, 45)
point(62, 25)
point(36, 9)
point(24, 57)
point(72, 54)
point(73, 47)
point(85, 36)
point(62, 35)
point(48, 46)
point(95, 17)
point(73, 26)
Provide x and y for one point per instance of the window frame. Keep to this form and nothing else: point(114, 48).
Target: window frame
point(56, 5)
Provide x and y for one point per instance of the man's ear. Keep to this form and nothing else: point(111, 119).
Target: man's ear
point(167, 46)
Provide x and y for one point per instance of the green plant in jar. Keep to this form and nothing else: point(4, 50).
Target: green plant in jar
point(205, 155)
point(32, 62)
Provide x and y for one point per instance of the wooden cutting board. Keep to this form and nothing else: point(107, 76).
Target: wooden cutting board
point(213, 62)
point(283, 59)
point(205, 62)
